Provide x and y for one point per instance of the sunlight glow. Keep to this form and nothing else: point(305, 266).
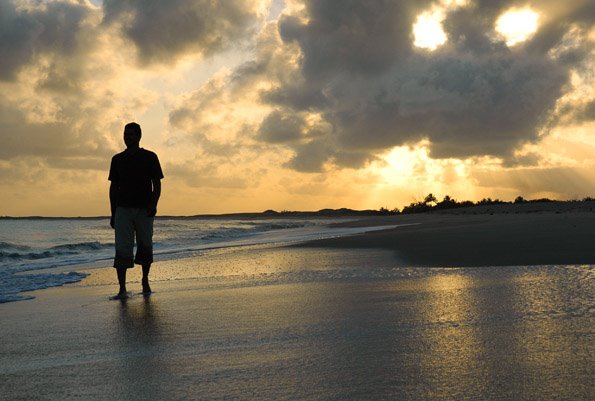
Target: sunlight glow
point(428, 30)
point(399, 164)
point(517, 25)
point(454, 3)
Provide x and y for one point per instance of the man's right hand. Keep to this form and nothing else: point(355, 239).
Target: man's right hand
point(112, 221)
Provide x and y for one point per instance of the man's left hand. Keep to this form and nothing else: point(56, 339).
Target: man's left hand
point(151, 211)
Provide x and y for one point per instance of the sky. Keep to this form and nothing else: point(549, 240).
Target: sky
point(297, 104)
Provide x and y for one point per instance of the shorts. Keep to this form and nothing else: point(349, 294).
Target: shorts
point(129, 222)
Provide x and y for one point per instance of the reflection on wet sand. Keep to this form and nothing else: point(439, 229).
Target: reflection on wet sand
point(142, 367)
point(490, 334)
point(548, 311)
point(311, 325)
point(503, 334)
point(451, 357)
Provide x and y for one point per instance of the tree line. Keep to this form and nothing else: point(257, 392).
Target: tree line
point(430, 202)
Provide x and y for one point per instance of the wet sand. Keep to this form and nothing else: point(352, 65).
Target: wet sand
point(498, 238)
point(274, 323)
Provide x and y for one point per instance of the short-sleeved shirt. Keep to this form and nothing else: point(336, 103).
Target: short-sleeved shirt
point(133, 172)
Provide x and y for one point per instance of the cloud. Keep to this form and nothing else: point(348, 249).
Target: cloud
point(54, 138)
point(70, 125)
point(163, 30)
point(364, 37)
point(310, 157)
point(473, 96)
point(465, 106)
point(556, 182)
point(588, 113)
point(279, 127)
point(216, 121)
point(47, 50)
point(34, 187)
point(203, 175)
point(44, 28)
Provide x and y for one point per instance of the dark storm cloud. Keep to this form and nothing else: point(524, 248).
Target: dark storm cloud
point(53, 28)
point(473, 96)
point(310, 157)
point(161, 30)
point(279, 127)
point(465, 106)
point(352, 35)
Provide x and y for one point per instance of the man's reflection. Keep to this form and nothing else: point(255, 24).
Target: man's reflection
point(139, 333)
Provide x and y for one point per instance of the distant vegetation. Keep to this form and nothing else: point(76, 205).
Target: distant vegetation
point(428, 204)
point(431, 203)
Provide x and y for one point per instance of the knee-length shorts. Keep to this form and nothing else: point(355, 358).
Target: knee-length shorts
point(131, 223)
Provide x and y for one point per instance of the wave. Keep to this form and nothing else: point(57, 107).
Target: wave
point(11, 251)
point(29, 255)
point(81, 246)
point(248, 229)
point(25, 283)
point(281, 226)
point(9, 246)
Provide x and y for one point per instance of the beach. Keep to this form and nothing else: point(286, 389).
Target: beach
point(499, 237)
point(487, 306)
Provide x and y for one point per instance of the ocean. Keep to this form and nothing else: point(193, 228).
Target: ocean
point(42, 253)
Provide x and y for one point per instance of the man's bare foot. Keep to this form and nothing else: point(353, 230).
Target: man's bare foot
point(146, 287)
point(121, 296)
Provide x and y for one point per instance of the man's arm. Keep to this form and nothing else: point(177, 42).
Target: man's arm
point(152, 210)
point(113, 196)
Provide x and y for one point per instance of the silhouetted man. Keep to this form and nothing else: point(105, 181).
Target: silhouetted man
point(135, 176)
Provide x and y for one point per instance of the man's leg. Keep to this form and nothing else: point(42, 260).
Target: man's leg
point(145, 281)
point(122, 281)
point(124, 228)
point(144, 246)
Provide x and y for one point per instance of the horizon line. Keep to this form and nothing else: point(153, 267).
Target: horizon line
point(320, 212)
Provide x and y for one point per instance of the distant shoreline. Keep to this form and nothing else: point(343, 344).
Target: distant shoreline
point(494, 208)
point(246, 215)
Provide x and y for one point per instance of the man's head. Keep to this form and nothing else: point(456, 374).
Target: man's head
point(132, 135)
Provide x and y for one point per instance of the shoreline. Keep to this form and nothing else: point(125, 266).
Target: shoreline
point(491, 235)
point(506, 235)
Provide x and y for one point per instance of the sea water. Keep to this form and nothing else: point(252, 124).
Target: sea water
point(38, 253)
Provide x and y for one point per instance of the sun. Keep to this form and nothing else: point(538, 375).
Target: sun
point(517, 25)
point(427, 30)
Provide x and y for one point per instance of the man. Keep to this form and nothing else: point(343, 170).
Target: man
point(135, 176)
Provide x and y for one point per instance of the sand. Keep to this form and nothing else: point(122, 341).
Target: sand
point(498, 239)
point(344, 319)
